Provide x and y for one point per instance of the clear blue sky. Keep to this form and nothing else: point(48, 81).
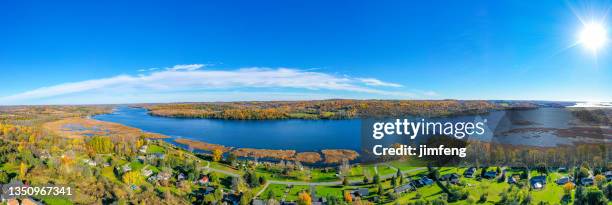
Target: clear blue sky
point(64, 52)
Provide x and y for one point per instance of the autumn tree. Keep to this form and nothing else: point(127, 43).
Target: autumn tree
point(599, 180)
point(347, 197)
point(132, 178)
point(217, 155)
point(568, 187)
point(101, 145)
point(4, 177)
point(304, 199)
point(23, 170)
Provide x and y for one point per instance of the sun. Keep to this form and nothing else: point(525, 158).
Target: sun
point(593, 36)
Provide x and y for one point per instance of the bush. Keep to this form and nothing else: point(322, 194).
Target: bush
point(483, 198)
point(470, 200)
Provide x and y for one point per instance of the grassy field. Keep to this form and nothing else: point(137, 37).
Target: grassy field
point(56, 201)
point(155, 149)
point(108, 173)
point(274, 190)
point(552, 192)
point(295, 190)
point(319, 175)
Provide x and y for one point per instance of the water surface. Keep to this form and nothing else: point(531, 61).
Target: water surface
point(300, 135)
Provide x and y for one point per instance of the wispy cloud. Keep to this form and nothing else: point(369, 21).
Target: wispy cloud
point(376, 82)
point(190, 78)
point(187, 67)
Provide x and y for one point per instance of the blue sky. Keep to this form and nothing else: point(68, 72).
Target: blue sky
point(73, 52)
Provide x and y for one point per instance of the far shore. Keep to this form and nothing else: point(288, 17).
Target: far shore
point(329, 155)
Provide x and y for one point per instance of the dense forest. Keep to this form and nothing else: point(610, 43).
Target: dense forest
point(322, 109)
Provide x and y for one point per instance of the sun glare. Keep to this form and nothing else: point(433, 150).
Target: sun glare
point(593, 36)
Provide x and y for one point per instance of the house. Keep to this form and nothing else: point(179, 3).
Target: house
point(147, 172)
point(126, 168)
point(404, 188)
point(490, 175)
point(203, 180)
point(587, 181)
point(469, 173)
point(89, 162)
point(209, 190)
point(141, 158)
point(29, 201)
point(608, 175)
point(361, 192)
point(12, 201)
point(452, 178)
point(258, 202)
point(563, 180)
point(512, 180)
point(143, 149)
point(426, 181)
point(537, 182)
point(164, 176)
point(159, 155)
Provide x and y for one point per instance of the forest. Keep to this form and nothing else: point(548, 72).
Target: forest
point(323, 109)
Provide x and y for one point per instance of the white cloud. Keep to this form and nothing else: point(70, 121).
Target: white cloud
point(187, 67)
point(188, 78)
point(376, 82)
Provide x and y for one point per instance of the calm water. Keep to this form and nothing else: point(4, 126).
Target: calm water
point(314, 135)
point(301, 135)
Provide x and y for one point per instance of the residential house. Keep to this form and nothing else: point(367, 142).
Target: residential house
point(452, 178)
point(563, 180)
point(258, 202)
point(586, 181)
point(203, 180)
point(512, 180)
point(469, 173)
point(29, 201)
point(147, 172)
point(537, 182)
point(404, 188)
point(143, 149)
point(490, 175)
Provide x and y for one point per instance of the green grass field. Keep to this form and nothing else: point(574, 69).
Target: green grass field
point(319, 175)
point(155, 149)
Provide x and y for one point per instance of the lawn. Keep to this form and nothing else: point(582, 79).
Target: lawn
point(155, 149)
point(384, 170)
point(274, 190)
point(136, 165)
point(427, 192)
point(221, 166)
point(56, 201)
point(330, 191)
point(319, 175)
point(405, 165)
point(275, 174)
point(294, 191)
point(108, 173)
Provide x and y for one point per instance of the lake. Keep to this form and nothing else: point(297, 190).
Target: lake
point(300, 135)
point(510, 127)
